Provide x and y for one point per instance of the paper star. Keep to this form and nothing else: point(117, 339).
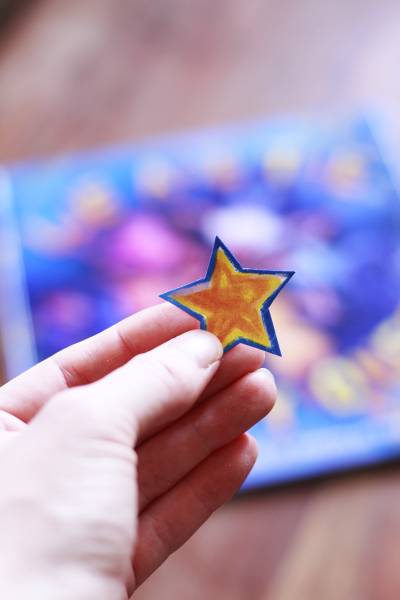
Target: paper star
point(232, 302)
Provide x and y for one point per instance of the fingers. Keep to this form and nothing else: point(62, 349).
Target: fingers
point(207, 427)
point(236, 363)
point(141, 397)
point(99, 355)
point(93, 358)
point(172, 519)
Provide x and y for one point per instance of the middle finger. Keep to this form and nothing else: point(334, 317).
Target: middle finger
point(167, 457)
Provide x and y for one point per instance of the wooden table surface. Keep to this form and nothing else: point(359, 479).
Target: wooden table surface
point(81, 73)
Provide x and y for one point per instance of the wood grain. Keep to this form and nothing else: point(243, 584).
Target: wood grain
point(83, 73)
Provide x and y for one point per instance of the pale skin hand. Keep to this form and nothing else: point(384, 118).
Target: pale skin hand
point(115, 451)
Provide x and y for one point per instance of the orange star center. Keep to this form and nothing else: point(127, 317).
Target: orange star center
point(231, 301)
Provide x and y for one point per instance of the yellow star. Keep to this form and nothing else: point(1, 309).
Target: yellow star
point(232, 302)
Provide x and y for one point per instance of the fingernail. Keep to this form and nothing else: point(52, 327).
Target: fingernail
point(203, 346)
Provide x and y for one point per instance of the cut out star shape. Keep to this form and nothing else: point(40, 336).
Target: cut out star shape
point(232, 302)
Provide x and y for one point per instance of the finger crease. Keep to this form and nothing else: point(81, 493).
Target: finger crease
point(70, 375)
point(123, 341)
point(162, 531)
point(203, 500)
point(202, 437)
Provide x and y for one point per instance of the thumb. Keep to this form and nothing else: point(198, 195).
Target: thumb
point(141, 397)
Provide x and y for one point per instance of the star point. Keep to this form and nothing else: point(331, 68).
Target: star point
point(233, 302)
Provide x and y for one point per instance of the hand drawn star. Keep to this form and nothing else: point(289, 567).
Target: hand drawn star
point(232, 302)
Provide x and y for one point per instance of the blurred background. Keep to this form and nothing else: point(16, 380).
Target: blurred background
point(283, 164)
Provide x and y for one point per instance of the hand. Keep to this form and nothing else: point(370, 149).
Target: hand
point(114, 451)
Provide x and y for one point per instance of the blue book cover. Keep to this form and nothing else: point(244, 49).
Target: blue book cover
point(86, 240)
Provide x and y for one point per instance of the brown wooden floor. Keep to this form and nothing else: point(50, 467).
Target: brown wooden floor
point(75, 74)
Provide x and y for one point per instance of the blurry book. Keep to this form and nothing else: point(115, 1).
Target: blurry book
point(89, 239)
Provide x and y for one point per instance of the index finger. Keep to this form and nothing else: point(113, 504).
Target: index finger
point(93, 358)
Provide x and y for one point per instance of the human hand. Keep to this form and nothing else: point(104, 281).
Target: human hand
point(114, 451)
